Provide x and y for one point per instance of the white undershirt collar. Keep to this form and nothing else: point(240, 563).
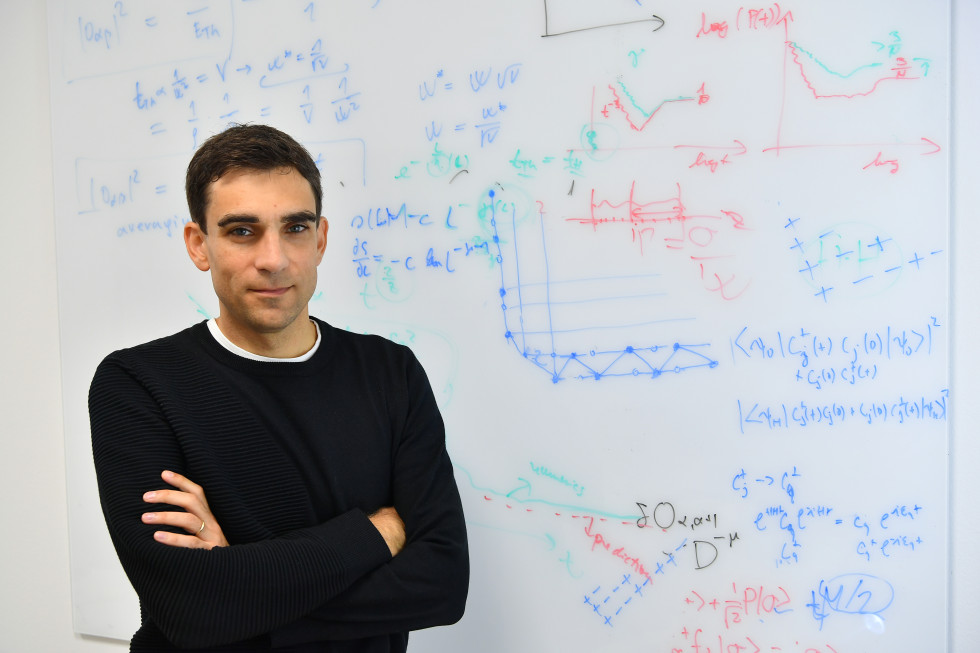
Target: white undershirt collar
point(235, 349)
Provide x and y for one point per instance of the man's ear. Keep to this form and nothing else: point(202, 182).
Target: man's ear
point(321, 238)
point(197, 248)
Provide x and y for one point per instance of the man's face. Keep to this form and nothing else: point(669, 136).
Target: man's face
point(262, 247)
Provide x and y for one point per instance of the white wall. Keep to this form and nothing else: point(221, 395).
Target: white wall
point(35, 601)
point(965, 311)
point(35, 592)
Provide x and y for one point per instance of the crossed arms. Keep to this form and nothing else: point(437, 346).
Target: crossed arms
point(258, 567)
point(190, 496)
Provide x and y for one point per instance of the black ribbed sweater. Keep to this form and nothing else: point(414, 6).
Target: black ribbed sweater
point(292, 457)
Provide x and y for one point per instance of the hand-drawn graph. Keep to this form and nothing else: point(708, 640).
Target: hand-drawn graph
point(863, 84)
point(564, 17)
point(636, 114)
point(863, 79)
point(668, 224)
point(581, 328)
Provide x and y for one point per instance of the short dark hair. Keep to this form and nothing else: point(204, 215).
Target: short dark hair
point(245, 147)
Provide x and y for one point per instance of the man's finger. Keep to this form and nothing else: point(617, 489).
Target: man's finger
point(182, 482)
point(185, 500)
point(184, 541)
point(188, 521)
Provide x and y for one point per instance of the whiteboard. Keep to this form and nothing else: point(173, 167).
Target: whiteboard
point(678, 274)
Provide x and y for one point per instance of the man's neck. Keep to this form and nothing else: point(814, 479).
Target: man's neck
point(295, 340)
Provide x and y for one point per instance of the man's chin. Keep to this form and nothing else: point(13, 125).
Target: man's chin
point(269, 323)
point(273, 327)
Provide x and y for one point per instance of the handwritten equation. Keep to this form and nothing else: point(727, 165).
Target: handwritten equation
point(891, 532)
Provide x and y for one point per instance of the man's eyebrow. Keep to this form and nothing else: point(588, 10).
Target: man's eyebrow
point(299, 216)
point(235, 218)
point(246, 218)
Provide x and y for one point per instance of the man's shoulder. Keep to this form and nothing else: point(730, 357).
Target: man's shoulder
point(364, 343)
point(165, 351)
point(386, 362)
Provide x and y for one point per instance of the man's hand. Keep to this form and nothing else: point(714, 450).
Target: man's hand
point(205, 533)
point(391, 527)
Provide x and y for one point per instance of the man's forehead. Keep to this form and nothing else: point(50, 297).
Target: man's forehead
point(259, 189)
point(256, 175)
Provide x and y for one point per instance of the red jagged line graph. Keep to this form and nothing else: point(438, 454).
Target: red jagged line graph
point(900, 74)
point(618, 104)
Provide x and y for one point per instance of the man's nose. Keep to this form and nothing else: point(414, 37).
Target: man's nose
point(271, 255)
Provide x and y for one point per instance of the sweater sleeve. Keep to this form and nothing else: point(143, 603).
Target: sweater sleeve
point(200, 598)
point(427, 582)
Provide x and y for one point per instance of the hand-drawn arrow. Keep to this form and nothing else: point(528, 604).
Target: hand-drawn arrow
point(653, 19)
point(934, 144)
point(739, 147)
point(929, 146)
point(526, 486)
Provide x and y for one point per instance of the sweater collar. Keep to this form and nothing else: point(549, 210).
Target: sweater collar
point(320, 353)
point(222, 340)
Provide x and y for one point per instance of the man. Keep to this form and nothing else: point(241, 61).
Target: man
point(270, 481)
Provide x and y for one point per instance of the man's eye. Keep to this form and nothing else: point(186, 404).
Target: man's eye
point(297, 227)
point(239, 231)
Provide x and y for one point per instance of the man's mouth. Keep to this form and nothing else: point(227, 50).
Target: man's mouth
point(271, 292)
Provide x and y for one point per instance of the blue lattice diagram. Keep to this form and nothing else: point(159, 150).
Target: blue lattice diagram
point(609, 604)
point(583, 328)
